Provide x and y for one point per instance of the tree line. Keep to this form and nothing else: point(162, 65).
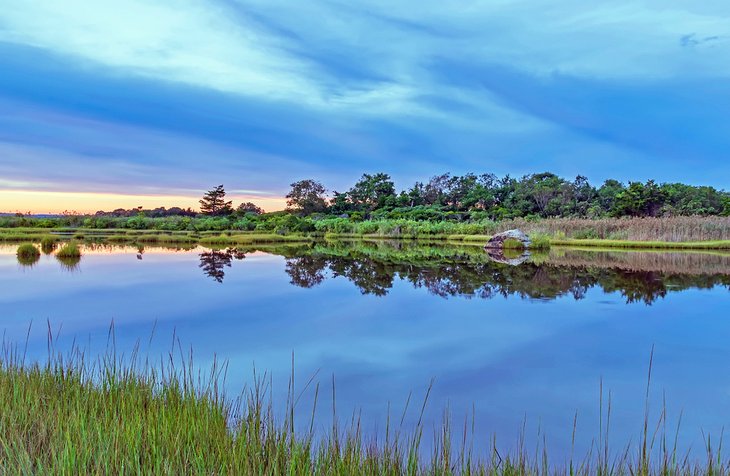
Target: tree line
point(487, 196)
point(467, 197)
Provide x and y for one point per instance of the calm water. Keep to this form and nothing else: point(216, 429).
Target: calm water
point(513, 344)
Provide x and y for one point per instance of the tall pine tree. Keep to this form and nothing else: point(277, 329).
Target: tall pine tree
point(214, 202)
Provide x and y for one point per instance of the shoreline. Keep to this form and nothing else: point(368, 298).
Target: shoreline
point(142, 237)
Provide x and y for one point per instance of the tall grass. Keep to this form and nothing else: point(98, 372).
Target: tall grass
point(655, 245)
point(28, 254)
point(539, 242)
point(246, 239)
point(48, 243)
point(28, 250)
point(671, 229)
point(126, 415)
point(69, 250)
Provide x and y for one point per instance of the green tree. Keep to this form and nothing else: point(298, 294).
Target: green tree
point(607, 193)
point(372, 191)
point(307, 197)
point(249, 207)
point(339, 203)
point(214, 202)
point(640, 200)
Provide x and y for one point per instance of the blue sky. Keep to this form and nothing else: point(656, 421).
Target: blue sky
point(166, 99)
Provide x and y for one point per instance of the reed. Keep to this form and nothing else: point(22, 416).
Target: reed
point(247, 239)
point(28, 250)
point(655, 245)
point(28, 254)
point(69, 250)
point(120, 415)
point(48, 243)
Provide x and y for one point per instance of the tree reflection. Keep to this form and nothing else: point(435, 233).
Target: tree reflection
point(373, 271)
point(306, 271)
point(213, 262)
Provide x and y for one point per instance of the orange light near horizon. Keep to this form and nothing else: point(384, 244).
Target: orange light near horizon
point(89, 202)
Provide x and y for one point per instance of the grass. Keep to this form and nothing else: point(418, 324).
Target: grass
point(626, 244)
point(48, 243)
point(28, 250)
point(248, 239)
point(539, 242)
point(164, 239)
point(28, 254)
point(18, 236)
point(512, 244)
point(683, 232)
point(114, 415)
point(69, 251)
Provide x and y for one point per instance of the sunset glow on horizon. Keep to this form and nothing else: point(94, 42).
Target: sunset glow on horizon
point(88, 203)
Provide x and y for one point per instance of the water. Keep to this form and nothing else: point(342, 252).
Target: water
point(504, 345)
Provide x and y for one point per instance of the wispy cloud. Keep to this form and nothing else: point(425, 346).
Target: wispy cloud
point(177, 92)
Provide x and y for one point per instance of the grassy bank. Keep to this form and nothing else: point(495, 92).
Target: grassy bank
point(689, 233)
point(114, 416)
point(646, 245)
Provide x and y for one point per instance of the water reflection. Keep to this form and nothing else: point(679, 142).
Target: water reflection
point(507, 256)
point(213, 262)
point(69, 263)
point(472, 273)
point(47, 247)
point(28, 260)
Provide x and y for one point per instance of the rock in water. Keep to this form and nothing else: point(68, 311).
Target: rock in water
point(497, 241)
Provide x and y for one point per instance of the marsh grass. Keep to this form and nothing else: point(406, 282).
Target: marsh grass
point(69, 250)
point(165, 239)
point(128, 415)
point(48, 243)
point(247, 239)
point(69, 256)
point(665, 229)
point(28, 254)
point(539, 242)
point(18, 236)
point(654, 245)
point(512, 244)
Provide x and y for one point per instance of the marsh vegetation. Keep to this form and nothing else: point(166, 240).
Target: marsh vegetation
point(113, 415)
point(28, 254)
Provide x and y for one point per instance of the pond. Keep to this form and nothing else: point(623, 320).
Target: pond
point(517, 350)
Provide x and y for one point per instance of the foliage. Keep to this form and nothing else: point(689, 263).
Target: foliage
point(539, 242)
point(444, 205)
point(214, 202)
point(248, 207)
point(306, 197)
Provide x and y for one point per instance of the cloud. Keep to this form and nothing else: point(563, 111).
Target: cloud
point(181, 91)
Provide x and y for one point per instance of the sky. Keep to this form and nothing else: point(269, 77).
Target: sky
point(134, 103)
